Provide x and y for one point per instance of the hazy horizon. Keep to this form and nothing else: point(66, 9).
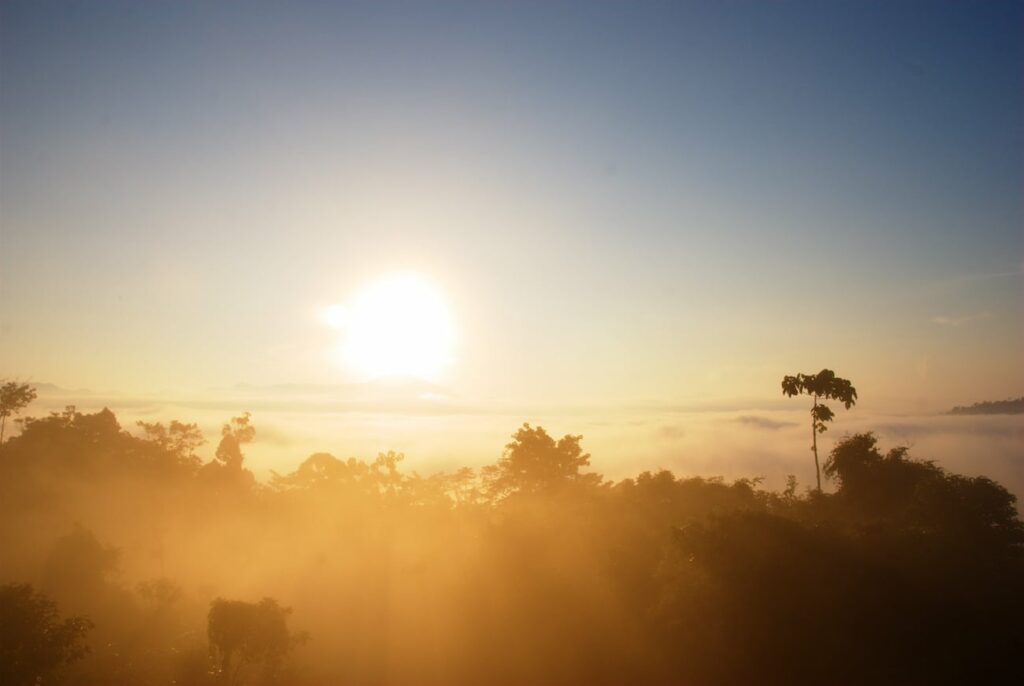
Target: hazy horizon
point(739, 438)
point(523, 343)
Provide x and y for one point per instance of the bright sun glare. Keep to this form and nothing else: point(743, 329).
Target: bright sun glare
point(397, 326)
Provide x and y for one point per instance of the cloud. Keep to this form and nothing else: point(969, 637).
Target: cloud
point(295, 421)
point(988, 426)
point(275, 435)
point(967, 282)
point(671, 433)
point(942, 320)
point(404, 398)
point(965, 279)
point(763, 422)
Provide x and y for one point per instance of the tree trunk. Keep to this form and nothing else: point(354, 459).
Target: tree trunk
point(814, 441)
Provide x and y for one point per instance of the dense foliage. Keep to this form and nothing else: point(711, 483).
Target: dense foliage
point(534, 570)
point(34, 640)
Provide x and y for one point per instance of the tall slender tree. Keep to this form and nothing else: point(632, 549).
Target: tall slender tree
point(823, 385)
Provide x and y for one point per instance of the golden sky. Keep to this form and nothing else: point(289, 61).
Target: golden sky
point(613, 213)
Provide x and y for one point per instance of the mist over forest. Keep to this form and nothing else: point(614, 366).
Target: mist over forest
point(729, 437)
point(137, 554)
point(448, 343)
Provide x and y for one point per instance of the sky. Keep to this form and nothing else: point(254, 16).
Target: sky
point(629, 208)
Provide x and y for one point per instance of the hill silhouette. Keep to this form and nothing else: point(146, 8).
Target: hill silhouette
point(1013, 406)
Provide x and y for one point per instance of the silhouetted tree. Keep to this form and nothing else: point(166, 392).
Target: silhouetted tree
point(386, 474)
point(534, 462)
point(14, 397)
point(825, 384)
point(34, 641)
point(895, 488)
point(319, 470)
point(87, 446)
point(226, 470)
point(234, 435)
point(176, 439)
point(250, 632)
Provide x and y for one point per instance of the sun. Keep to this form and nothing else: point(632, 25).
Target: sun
point(398, 326)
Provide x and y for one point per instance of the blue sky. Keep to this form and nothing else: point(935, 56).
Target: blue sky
point(623, 201)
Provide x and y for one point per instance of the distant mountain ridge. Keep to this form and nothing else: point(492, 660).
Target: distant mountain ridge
point(1013, 406)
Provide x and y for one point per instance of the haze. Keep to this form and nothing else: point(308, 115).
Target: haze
point(407, 228)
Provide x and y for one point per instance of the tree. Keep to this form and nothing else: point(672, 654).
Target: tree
point(34, 640)
point(234, 435)
point(919, 493)
point(225, 471)
point(534, 462)
point(14, 397)
point(823, 385)
point(177, 440)
point(252, 632)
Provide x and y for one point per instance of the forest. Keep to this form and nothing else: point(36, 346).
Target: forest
point(1012, 406)
point(129, 555)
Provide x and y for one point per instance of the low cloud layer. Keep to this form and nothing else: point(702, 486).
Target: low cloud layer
point(757, 422)
point(294, 422)
point(943, 320)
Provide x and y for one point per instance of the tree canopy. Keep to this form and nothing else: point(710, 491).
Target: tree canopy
point(14, 397)
point(823, 385)
point(535, 462)
point(532, 569)
point(35, 641)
